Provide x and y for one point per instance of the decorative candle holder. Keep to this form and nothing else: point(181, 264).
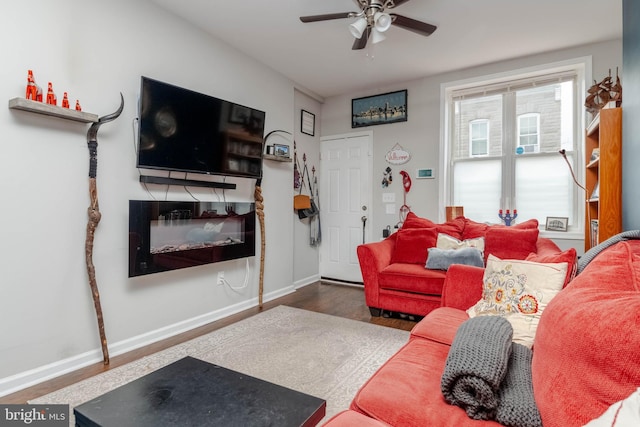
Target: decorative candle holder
point(508, 217)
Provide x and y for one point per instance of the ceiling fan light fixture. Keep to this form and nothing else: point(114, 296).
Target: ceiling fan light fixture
point(383, 21)
point(357, 28)
point(377, 36)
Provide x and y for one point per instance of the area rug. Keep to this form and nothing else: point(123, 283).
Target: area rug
point(325, 356)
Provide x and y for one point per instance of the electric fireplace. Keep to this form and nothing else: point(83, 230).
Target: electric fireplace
point(167, 235)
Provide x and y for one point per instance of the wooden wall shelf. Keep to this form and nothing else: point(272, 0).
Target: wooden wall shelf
point(52, 110)
point(277, 158)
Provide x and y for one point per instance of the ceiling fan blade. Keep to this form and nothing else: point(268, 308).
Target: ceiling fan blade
point(361, 43)
point(410, 24)
point(327, 16)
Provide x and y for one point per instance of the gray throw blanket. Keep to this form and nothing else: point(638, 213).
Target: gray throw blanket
point(595, 251)
point(517, 407)
point(477, 364)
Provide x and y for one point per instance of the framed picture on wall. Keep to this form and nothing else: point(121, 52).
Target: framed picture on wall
point(308, 123)
point(379, 109)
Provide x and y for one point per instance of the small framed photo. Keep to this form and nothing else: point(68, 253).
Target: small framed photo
point(281, 150)
point(308, 123)
point(557, 223)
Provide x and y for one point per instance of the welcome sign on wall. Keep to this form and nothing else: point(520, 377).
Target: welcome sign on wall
point(397, 155)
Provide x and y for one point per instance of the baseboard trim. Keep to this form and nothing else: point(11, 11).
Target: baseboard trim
point(17, 382)
point(306, 281)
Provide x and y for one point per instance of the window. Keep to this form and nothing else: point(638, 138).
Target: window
point(502, 141)
point(479, 137)
point(528, 132)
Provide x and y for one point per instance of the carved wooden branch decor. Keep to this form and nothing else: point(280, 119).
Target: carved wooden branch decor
point(260, 212)
point(94, 218)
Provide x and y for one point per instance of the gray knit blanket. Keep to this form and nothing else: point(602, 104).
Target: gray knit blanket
point(477, 364)
point(489, 376)
point(595, 251)
point(517, 407)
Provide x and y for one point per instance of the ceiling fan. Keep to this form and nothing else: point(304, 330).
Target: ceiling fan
point(372, 21)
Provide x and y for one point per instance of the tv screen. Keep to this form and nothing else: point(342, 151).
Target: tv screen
point(186, 131)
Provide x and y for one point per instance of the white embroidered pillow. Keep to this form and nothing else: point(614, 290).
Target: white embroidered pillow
point(519, 291)
point(447, 242)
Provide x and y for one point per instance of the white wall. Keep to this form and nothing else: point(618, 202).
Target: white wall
point(306, 257)
point(94, 50)
point(420, 135)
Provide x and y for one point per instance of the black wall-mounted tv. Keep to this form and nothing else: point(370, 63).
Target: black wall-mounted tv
point(186, 131)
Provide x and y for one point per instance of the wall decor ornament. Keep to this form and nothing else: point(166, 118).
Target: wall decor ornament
point(379, 109)
point(397, 155)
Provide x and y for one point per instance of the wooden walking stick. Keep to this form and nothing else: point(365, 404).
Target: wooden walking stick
point(260, 212)
point(94, 218)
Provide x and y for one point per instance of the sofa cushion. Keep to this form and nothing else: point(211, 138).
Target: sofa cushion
point(441, 259)
point(412, 278)
point(452, 228)
point(588, 340)
point(449, 242)
point(405, 391)
point(510, 242)
point(474, 229)
point(440, 325)
point(411, 245)
point(569, 256)
point(519, 291)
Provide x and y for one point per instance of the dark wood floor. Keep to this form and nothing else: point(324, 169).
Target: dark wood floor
point(328, 298)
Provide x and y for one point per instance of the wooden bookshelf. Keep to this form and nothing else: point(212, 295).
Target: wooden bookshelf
point(603, 177)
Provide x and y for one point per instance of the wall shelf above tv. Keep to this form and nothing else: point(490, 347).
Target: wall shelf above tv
point(277, 158)
point(148, 179)
point(52, 110)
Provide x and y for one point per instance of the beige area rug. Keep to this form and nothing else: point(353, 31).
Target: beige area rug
point(325, 356)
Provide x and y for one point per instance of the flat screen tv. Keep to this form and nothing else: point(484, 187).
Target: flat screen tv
point(186, 131)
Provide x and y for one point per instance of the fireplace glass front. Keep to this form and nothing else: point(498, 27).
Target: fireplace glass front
point(171, 235)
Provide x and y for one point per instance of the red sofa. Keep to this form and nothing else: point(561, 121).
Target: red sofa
point(393, 270)
point(586, 353)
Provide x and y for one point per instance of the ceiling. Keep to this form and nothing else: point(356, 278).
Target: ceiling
point(318, 57)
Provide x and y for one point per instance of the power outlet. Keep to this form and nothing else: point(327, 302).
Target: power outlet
point(220, 278)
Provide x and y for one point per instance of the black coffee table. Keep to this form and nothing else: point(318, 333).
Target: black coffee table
point(191, 392)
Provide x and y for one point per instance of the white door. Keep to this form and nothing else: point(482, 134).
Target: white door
point(345, 201)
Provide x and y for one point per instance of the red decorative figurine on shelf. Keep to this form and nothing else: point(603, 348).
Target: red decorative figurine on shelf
point(51, 97)
point(34, 92)
point(65, 101)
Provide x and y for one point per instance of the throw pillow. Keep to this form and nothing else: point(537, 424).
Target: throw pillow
point(441, 259)
point(452, 228)
point(449, 242)
point(623, 413)
point(569, 256)
point(474, 229)
point(511, 243)
point(411, 245)
point(519, 291)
